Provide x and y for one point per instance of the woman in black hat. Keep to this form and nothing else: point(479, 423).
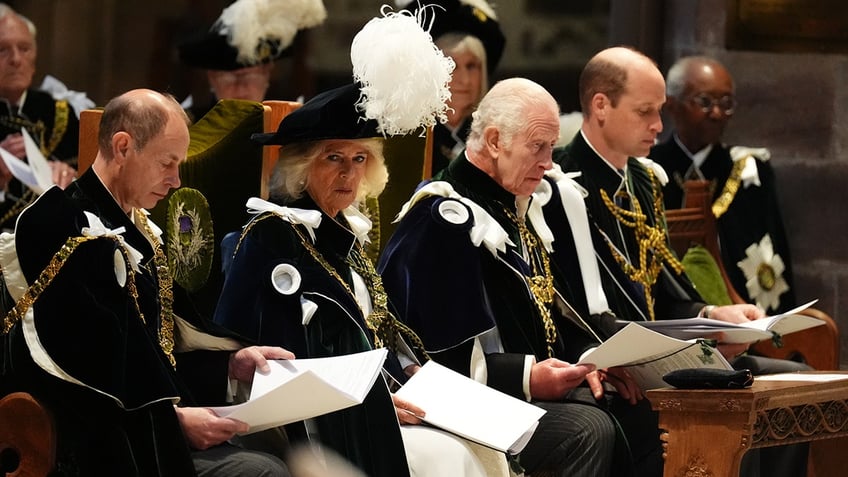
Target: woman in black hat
point(300, 277)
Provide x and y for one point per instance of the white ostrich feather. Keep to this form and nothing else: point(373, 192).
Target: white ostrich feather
point(404, 76)
point(483, 5)
point(248, 22)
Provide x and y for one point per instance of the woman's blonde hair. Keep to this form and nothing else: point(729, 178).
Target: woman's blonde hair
point(455, 43)
point(291, 174)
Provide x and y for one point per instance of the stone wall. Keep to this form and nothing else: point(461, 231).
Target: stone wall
point(796, 104)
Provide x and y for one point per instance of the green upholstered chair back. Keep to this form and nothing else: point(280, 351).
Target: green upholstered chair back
point(705, 274)
point(225, 166)
point(408, 159)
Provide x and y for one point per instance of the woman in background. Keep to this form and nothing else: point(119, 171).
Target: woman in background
point(468, 32)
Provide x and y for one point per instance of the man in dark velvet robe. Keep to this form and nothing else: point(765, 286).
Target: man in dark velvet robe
point(93, 334)
point(621, 94)
point(51, 123)
point(468, 269)
point(754, 248)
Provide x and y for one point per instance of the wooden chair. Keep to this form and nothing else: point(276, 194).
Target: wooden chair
point(695, 224)
point(224, 165)
point(27, 437)
point(275, 112)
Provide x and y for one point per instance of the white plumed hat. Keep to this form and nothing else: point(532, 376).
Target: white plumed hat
point(250, 23)
point(402, 74)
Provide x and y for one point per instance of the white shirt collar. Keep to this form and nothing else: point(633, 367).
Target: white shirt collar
point(621, 172)
point(697, 158)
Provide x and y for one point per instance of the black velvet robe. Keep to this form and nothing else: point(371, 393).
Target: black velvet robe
point(120, 418)
point(754, 212)
point(673, 293)
point(368, 435)
point(450, 291)
point(39, 115)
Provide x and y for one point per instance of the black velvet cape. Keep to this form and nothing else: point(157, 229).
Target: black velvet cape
point(368, 435)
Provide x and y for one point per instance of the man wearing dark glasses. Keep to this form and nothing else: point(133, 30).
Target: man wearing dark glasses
point(700, 101)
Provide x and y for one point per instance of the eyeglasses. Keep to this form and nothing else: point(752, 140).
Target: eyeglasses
point(726, 104)
point(252, 78)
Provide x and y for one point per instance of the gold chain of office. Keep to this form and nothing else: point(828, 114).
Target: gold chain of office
point(652, 241)
point(731, 187)
point(166, 287)
point(33, 292)
point(384, 326)
point(380, 321)
point(541, 281)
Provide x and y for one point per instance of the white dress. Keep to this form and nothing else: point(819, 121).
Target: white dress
point(434, 453)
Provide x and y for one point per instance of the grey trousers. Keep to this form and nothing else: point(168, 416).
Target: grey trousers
point(227, 460)
point(572, 440)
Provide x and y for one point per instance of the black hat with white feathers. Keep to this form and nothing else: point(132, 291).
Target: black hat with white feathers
point(400, 85)
point(472, 17)
point(251, 32)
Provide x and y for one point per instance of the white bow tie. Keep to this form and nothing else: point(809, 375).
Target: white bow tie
point(96, 228)
point(310, 218)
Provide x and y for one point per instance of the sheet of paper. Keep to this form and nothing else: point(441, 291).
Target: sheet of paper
point(304, 388)
point(470, 409)
point(749, 332)
point(35, 173)
point(649, 355)
point(690, 328)
point(809, 377)
point(788, 322)
point(20, 170)
point(37, 162)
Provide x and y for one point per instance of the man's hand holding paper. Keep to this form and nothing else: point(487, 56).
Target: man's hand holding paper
point(552, 379)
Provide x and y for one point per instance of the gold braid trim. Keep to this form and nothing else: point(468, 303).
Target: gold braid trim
point(35, 129)
point(541, 283)
point(166, 284)
point(731, 187)
point(652, 241)
point(385, 325)
point(380, 321)
point(60, 126)
point(49, 273)
point(27, 198)
point(250, 226)
point(371, 208)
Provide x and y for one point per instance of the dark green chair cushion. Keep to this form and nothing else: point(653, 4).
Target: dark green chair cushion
point(704, 272)
point(405, 161)
point(226, 167)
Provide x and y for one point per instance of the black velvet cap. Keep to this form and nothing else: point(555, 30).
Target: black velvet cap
point(212, 51)
point(455, 16)
point(329, 115)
